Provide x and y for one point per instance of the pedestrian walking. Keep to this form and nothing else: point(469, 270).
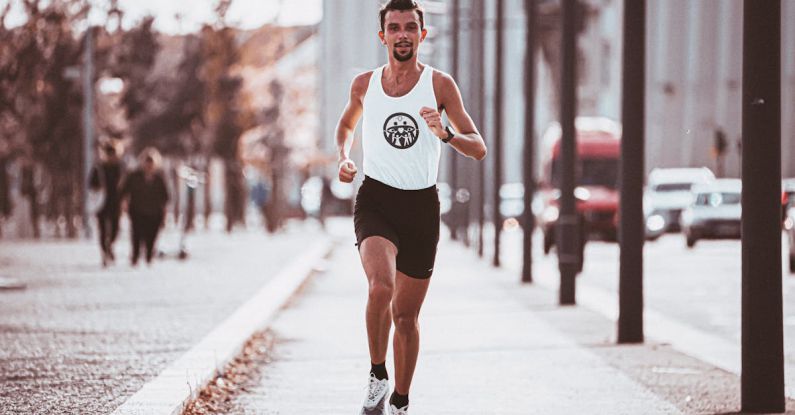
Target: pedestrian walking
point(396, 214)
point(105, 179)
point(148, 195)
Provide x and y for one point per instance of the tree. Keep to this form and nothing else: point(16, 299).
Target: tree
point(40, 105)
point(224, 117)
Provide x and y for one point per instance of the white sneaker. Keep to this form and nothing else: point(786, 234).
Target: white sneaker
point(393, 410)
point(375, 402)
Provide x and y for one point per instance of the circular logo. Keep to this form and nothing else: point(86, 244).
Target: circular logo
point(401, 131)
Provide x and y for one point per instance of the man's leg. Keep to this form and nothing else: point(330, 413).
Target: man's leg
point(409, 295)
point(114, 233)
point(152, 228)
point(135, 237)
point(378, 259)
point(102, 227)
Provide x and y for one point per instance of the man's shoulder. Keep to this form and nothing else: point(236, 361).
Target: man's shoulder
point(443, 86)
point(361, 82)
point(442, 79)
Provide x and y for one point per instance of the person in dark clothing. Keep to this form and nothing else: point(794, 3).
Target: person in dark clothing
point(106, 177)
point(148, 196)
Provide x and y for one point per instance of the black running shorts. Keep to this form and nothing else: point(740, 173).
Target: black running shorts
point(407, 218)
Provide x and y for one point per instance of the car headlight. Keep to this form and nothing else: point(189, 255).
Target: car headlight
point(551, 214)
point(582, 193)
point(655, 223)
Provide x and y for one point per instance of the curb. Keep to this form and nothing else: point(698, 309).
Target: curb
point(683, 337)
point(176, 385)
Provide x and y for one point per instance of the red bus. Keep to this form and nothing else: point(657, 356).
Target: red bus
point(597, 170)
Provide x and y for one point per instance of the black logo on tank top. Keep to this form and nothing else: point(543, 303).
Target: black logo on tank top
point(401, 130)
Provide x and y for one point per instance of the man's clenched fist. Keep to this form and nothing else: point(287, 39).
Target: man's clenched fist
point(347, 170)
point(434, 121)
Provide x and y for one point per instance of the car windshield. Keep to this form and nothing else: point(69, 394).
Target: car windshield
point(717, 199)
point(673, 187)
point(592, 172)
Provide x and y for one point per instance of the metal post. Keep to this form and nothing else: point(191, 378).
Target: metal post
point(528, 222)
point(632, 227)
point(455, 210)
point(762, 308)
point(568, 223)
point(497, 152)
point(480, 44)
point(88, 123)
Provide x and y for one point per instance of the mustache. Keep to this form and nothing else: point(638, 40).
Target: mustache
point(407, 44)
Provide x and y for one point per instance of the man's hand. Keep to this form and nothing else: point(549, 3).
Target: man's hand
point(434, 121)
point(347, 170)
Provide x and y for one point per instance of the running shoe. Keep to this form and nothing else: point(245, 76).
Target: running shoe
point(375, 403)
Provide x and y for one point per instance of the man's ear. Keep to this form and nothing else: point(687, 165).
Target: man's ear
point(381, 36)
point(423, 34)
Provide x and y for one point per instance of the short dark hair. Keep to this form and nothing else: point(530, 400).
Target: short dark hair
point(402, 5)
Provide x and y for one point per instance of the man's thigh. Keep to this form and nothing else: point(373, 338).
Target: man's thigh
point(409, 295)
point(378, 256)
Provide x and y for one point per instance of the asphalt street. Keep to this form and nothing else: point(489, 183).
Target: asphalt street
point(699, 288)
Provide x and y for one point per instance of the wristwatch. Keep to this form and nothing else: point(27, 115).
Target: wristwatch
point(450, 134)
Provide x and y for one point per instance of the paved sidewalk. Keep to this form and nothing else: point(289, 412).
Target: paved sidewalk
point(82, 338)
point(489, 346)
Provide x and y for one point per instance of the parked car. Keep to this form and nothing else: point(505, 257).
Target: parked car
point(789, 227)
point(598, 154)
point(656, 224)
point(668, 193)
point(715, 211)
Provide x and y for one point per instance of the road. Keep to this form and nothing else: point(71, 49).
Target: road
point(699, 288)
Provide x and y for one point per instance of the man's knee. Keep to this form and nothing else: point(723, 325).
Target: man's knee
point(405, 322)
point(381, 291)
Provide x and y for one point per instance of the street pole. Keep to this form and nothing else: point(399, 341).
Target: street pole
point(497, 130)
point(762, 309)
point(568, 222)
point(88, 124)
point(632, 227)
point(528, 222)
point(480, 45)
point(455, 210)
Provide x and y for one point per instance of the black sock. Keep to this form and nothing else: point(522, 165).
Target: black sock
point(400, 401)
point(379, 371)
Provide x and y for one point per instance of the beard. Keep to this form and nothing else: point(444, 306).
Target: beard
point(403, 58)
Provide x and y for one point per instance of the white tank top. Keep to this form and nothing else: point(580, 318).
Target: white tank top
point(398, 147)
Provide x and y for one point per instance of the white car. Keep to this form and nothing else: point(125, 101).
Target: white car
point(714, 213)
point(668, 193)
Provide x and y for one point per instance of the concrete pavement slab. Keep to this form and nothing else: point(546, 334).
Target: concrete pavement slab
point(484, 351)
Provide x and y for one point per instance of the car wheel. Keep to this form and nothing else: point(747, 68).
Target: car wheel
point(691, 241)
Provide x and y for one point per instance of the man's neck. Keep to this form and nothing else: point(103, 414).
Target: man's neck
point(399, 70)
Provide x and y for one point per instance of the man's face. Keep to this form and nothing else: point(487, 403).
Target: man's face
point(402, 34)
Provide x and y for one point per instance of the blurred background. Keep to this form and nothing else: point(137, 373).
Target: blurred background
point(242, 98)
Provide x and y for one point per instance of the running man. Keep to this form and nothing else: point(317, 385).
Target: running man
point(396, 216)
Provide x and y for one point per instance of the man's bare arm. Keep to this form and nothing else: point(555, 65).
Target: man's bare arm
point(467, 140)
point(347, 124)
